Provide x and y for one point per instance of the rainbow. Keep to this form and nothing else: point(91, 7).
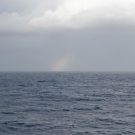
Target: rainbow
point(61, 64)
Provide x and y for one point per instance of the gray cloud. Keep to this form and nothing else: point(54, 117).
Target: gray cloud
point(15, 15)
point(33, 15)
point(23, 6)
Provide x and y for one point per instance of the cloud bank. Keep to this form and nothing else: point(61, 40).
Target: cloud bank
point(38, 14)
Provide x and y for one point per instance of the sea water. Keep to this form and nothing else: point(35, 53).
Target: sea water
point(67, 103)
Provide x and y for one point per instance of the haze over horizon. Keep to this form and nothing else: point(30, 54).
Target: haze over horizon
point(67, 35)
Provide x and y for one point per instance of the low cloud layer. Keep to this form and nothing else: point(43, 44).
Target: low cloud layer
point(106, 48)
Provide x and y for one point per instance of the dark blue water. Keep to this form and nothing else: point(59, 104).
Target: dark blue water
point(67, 104)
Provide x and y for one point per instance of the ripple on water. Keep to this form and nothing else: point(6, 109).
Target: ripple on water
point(67, 104)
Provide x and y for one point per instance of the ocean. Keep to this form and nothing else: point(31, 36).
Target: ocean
point(62, 103)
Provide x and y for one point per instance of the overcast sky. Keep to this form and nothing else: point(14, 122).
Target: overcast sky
point(67, 35)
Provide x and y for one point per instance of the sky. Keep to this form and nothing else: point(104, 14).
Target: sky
point(67, 35)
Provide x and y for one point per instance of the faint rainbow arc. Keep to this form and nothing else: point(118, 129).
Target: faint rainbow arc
point(61, 64)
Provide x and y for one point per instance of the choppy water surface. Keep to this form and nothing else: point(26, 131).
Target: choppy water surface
point(67, 104)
